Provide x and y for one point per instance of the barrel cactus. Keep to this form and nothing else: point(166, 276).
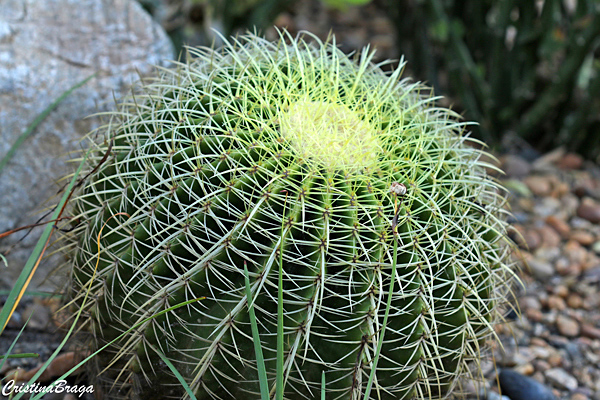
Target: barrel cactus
point(282, 155)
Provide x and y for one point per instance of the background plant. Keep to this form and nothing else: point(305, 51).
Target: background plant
point(526, 67)
point(286, 151)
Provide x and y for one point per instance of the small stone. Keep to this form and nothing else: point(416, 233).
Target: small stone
point(541, 270)
point(575, 252)
point(596, 247)
point(540, 352)
point(559, 378)
point(525, 369)
point(530, 302)
point(541, 365)
point(495, 396)
point(539, 185)
point(561, 290)
point(570, 161)
point(556, 303)
point(39, 316)
point(569, 202)
point(534, 315)
point(536, 341)
point(582, 237)
point(559, 225)
point(520, 387)
point(567, 326)
point(574, 300)
point(555, 360)
point(579, 396)
point(562, 265)
point(590, 331)
point(528, 239)
point(589, 210)
point(515, 166)
point(547, 206)
point(549, 237)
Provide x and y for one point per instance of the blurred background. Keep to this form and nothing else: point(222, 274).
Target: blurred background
point(528, 71)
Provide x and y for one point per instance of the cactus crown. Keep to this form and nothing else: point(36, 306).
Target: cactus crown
point(293, 145)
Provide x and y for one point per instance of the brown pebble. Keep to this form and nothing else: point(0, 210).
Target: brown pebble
point(515, 166)
point(589, 210)
point(575, 252)
point(536, 341)
point(529, 302)
point(525, 369)
point(534, 315)
point(539, 185)
point(549, 237)
point(574, 300)
point(556, 303)
point(590, 331)
point(559, 225)
point(541, 365)
point(570, 161)
point(561, 290)
point(555, 360)
point(579, 396)
point(582, 237)
point(567, 326)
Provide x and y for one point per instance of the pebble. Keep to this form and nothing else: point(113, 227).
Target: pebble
point(596, 247)
point(589, 210)
point(590, 331)
point(515, 166)
point(556, 303)
point(570, 161)
point(579, 396)
point(559, 225)
point(582, 237)
point(574, 300)
point(549, 237)
point(541, 270)
point(567, 326)
point(561, 379)
point(520, 387)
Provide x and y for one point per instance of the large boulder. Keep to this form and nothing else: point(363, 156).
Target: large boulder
point(45, 48)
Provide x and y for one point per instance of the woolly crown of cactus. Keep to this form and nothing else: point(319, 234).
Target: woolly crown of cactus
point(264, 150)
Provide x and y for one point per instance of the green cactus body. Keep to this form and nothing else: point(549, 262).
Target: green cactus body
point(265, 147)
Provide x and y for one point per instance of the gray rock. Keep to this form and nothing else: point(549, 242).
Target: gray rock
point(561, 379)
point(520, 387)
point(45, 48)
point(541, 270)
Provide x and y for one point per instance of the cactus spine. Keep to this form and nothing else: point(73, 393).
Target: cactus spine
point(260, 147)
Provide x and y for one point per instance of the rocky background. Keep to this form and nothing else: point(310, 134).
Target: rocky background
point(46, 47)
point(550, 351)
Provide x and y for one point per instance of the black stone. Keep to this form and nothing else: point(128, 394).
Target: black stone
point(520, 387)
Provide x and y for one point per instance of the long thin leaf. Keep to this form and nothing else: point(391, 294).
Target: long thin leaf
point(13, 149)
point(175, 372)
point(260, 361)
point(279, 379)
point(34, 259)
point(85, 360)
point(385, 317)
point(8, 355)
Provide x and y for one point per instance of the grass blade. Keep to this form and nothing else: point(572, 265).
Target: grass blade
point(8, 355)
point(85, 360)
point(387, 312)
point(13, 149)
point(323, 385)
point(175, 372)
point(20, 286)
point(260, 361)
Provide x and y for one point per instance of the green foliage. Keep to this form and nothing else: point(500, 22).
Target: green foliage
point(259, 174)
point(344, 4)
point(523, 66)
